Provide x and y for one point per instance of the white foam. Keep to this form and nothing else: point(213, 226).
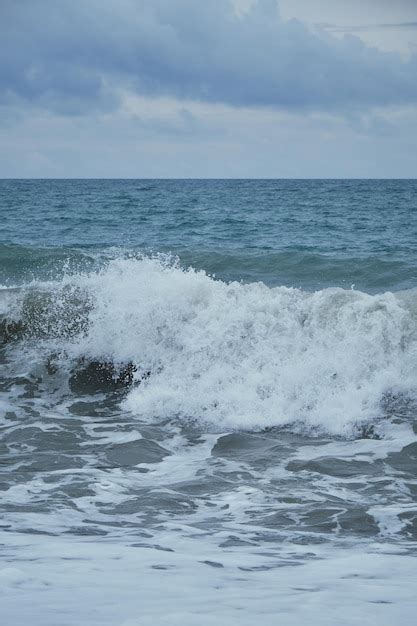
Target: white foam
point(67, 581)
point(247, 356)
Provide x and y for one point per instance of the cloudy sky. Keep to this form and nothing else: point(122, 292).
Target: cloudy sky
point(208, 88)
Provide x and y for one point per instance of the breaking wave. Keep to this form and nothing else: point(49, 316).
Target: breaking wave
point(225, 355)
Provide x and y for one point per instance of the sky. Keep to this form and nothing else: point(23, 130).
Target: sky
point(208, 89)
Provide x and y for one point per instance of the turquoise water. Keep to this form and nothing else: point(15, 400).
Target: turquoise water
point(208, 402)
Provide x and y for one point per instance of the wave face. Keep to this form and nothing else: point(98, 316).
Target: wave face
point(230, 355)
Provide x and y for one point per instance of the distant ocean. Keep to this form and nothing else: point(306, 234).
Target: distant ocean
point(208, 403)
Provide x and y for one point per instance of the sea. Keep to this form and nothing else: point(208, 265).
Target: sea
point(208, 402)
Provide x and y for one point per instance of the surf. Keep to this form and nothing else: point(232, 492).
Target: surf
point(224, 355)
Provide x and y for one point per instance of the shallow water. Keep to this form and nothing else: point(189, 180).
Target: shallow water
point(182, 448)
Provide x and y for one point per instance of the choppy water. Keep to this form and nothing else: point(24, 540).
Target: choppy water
point(208, 402)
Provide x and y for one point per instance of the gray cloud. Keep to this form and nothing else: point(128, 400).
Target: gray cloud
point(73, 56)
point(366, 27)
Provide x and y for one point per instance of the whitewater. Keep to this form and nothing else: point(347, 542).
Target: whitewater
point(230, 355)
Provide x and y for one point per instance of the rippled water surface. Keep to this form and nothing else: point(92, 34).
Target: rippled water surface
point(208, 402)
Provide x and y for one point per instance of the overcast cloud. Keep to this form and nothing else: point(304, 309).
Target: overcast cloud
point(66, 55)
point(106, 61)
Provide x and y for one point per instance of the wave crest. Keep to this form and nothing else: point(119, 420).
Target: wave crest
point(234, 355)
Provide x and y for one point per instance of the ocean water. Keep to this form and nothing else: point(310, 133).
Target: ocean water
point(208, 402)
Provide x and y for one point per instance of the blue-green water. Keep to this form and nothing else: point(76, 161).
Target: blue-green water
point(208, 402)
point(309, 234)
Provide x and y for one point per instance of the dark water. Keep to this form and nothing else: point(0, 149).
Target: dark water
point(208, 388)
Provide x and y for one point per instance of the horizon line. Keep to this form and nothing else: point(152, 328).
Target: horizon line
point(201, 178)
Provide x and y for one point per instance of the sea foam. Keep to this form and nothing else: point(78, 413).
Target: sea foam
point(240, 356)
